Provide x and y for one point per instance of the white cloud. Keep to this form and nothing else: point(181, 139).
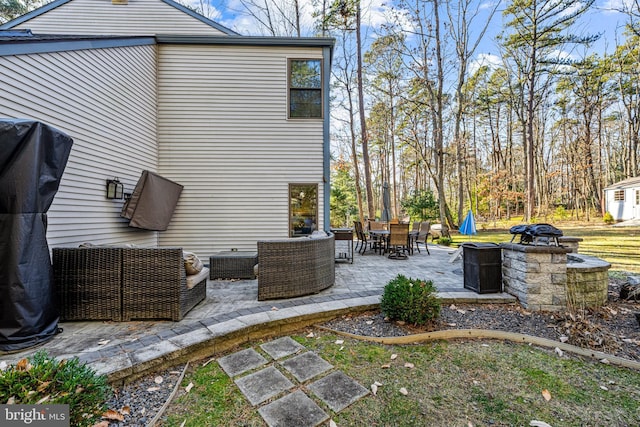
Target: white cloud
point(614, 6)
point(485, 59)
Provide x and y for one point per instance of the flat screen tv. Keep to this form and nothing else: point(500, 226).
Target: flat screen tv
point(152, 202)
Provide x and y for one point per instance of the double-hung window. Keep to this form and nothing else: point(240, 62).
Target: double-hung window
point(305, 89)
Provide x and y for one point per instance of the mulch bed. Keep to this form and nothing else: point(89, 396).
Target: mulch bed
point(613, 329)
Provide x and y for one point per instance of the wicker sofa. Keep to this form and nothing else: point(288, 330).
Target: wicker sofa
point(295, 266)
point(122, 284)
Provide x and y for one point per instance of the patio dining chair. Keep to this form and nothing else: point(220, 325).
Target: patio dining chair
point(423, 233)
point(378, 242)
point(398, 241)
point(361, 246)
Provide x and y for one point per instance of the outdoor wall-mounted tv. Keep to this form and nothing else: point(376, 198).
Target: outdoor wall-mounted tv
point(152, 202)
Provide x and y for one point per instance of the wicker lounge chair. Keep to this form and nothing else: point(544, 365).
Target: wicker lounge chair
point(295, 266)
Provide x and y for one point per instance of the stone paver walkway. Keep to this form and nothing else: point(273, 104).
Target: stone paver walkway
point(232, 314)
point(335, 390)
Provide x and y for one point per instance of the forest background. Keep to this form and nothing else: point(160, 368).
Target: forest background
point(521, 109)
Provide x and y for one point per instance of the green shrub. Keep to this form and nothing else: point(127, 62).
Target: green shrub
point(560, 214)
point(608, 218)
point(42, 378)
point(411, 300)
point(444, 241)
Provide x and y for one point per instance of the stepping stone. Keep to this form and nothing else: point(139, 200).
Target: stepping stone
point(338, 390)
point(263, 385)
point(282, 347)
point(293, 410)
point(242, 361)
point(306, 366)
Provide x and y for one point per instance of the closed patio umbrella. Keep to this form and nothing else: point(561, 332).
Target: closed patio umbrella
point(468, 226)
point(386, 203)
point(32, 159)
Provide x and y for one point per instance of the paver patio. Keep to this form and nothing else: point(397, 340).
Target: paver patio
point(232, 305)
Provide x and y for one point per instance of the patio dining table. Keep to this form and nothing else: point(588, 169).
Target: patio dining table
point(383, 236)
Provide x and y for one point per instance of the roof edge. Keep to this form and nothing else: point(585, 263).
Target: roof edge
point(37, 46)
point(201, 18)
point(247, 40)
point(625, 183)
point(57, 3)
point(30, 15)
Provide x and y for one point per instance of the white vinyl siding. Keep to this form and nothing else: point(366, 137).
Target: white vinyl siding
point(105, 99)
point(223, 133)
point(138, 17)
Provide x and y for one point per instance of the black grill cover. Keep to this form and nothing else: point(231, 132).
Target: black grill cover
point(32, 159)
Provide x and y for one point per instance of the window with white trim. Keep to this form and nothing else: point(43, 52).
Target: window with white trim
point(305, 89)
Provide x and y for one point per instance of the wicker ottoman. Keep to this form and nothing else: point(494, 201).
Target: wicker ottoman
point(233, 265)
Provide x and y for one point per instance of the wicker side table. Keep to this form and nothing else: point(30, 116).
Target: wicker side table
point(232, 265)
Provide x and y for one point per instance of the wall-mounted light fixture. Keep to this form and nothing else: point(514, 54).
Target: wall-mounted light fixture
point(115, 189)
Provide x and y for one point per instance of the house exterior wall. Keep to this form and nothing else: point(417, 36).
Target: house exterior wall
point(224, 134)
point(623, 210)
point(105, 99)
point(137, 17)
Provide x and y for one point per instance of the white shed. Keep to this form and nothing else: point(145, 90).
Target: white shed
point(151, 85)
point(623, 199)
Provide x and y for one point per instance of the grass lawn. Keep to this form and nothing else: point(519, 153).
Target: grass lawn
point(459, 383)
point(618, 245)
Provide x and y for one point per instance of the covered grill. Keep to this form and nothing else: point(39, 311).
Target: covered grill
point(536, 233)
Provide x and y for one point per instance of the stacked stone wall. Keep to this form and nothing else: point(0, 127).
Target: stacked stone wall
point(587, 282)
point(536, 275)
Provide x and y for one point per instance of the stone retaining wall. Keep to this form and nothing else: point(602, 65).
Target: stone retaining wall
point(587, 281)
point(536, 275)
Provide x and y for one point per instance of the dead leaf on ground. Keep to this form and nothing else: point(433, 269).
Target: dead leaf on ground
point(208, 361)
point(153, 389)
point(101, 424)
point(404, 391)
point(369, 322)
point(126, 410)
point(103, 342)
point(188, 387)
point(374, 389)
point(113, 415)
point(310, 335)
point(339, 342)
point(44, 399)
point(43, 386)
point(385, 366)
point(23, 365)
point(158, 379)
point(536, 423)
point(394, 356)
point(546, 394)
point(409, 365)
point(11, 400)
point(274, 308)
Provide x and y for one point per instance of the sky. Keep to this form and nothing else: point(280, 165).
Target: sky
point(602, 18)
